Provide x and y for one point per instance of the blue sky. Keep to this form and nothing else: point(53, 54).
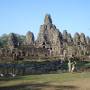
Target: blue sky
point(20, 16)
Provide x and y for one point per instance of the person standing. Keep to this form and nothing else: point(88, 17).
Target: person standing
point(69, 65)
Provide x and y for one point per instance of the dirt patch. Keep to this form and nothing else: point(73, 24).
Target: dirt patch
point(82, 84)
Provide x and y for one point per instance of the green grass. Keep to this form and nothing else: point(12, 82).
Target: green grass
point(31, 79)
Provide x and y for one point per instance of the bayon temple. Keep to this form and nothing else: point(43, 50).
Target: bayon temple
point(49, 43)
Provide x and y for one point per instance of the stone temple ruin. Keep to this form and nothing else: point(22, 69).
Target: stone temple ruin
point(49, 43)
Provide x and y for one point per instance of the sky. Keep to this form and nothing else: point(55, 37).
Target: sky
point(21, 16)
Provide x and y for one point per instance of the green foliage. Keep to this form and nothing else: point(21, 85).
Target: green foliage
point(20, 38)
point(4, 39)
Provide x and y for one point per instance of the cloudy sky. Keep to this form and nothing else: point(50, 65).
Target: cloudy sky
point(20, 16)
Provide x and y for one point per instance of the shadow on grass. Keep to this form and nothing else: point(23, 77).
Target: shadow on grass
point(10, 78)
point(43, 86)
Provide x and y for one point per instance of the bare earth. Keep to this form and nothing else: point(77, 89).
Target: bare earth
point(80, 84)
point(83, 84)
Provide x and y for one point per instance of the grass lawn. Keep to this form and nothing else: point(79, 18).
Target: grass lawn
point(62, 81)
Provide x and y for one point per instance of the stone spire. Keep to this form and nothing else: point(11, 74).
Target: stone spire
point(83, 38)
point(47, 19)
point(76, 38)
point(65, 35)
point(29, 38)
point(49, 35)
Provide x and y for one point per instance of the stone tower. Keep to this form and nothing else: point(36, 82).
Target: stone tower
point(49, 36)
point(29, 38)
